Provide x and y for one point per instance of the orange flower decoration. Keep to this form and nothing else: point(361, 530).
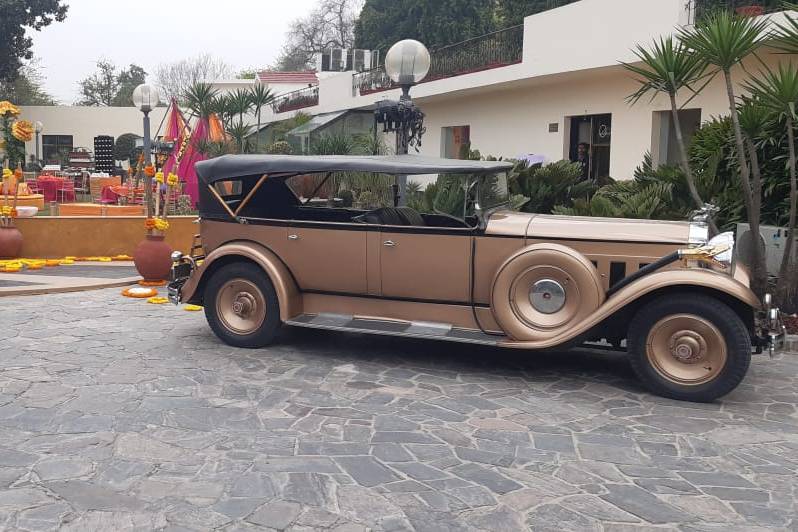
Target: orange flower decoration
point(149, 224)
point(139, 292)
point(151, 283)
point(149, 170)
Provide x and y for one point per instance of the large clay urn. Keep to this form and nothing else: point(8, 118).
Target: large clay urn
point(10, 242)
point(152, 258)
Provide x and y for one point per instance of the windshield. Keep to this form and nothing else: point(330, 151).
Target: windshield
point(460, 195)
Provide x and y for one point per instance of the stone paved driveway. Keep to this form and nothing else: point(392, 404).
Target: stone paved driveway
point(116, 414)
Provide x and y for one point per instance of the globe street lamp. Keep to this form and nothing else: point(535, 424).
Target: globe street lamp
point(38, 127)
point(145, 97)
point(406, 63)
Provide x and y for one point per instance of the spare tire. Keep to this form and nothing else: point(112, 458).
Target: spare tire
point(543, 290)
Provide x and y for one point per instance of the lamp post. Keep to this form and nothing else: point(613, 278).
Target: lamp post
point(146, 98)
point(38, 127)
point(406, 63)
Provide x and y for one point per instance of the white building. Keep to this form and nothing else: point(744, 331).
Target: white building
point(542, 88)
point(67, 127)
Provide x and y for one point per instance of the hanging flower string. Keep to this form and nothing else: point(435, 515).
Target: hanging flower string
point(158, 222)
point(8, 211)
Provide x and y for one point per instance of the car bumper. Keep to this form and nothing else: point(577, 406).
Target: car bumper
point(771, 331)
point(180, 273)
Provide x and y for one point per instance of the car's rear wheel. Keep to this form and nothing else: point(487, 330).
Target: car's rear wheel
point(241, 305)
point(689, 347)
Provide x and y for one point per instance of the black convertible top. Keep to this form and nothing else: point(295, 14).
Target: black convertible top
point(228, 166)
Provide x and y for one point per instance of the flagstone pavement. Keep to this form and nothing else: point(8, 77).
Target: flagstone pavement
point(120, 415)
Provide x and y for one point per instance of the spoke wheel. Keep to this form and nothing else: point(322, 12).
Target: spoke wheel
point(686, 349)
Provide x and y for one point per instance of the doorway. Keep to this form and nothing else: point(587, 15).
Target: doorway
point(594, 131)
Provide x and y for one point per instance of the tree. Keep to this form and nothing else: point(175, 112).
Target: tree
point(777, 91)
point(27, 88)
point(107, 87)
point(125, 147)
point(176, 78)
point(384, 22)
point(200, 97)
point(16, 18)
point(668, 68)
point(259, 97)
point(724, 40)
point(240, 102)
point(128, 80)
point(330, 25)
point(100, 88)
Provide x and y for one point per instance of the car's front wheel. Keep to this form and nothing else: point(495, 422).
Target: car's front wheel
point(241, 305)
point(689, 347)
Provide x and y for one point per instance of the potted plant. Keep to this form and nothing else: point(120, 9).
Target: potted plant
point(152, 256)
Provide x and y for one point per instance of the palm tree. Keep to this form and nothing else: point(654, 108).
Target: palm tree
point(240, 102)
point(777, 90)
point(669, 67)
point(239, 133)
point(200, 98)
point(724, 39)
point(221, 106)
point(259, 97)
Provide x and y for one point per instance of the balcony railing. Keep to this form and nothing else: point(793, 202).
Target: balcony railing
point(494, 50)
point(751, 8)
point(298, 99)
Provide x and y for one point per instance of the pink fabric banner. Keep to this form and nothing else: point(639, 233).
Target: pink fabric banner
point(185, 170)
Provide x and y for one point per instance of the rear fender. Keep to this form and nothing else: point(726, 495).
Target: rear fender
point(278, 273)
point(707, 280)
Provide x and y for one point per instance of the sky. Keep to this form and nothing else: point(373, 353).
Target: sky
point(244, 33)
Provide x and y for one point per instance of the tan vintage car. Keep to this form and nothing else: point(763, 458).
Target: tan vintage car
point(272, 253)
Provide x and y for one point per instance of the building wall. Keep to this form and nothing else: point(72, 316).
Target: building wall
point(515, 121)
point(84, 123)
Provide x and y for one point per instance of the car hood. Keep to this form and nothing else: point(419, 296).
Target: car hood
point(556, 227)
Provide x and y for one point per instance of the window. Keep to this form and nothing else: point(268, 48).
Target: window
point(590, 140)
point(664, 147)
point(56, 148)
point(454, 141)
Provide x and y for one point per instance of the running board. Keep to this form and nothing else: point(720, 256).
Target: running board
point(409, 329)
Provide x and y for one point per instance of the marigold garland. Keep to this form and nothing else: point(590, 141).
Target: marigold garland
point(152, 283)
point(8, 107)
point(22, 130)
point(172, 180)
point(192, 308)
point(149, 170)
point(139, 292)
point(159, 177)
point(160, 300)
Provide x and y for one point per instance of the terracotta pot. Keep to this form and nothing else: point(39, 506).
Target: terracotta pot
point(152, 258)
point(10, 242)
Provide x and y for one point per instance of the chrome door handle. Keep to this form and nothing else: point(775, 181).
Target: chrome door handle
point(293, 237)
point(389, 243)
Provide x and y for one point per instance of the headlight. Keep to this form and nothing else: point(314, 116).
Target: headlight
point(723, 240)
point(698, 234)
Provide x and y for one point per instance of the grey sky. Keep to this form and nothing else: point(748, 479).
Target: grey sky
point(245, 33)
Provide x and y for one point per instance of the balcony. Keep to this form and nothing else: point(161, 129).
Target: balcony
point(494, 50)
point(298, 99)
point(751, 8)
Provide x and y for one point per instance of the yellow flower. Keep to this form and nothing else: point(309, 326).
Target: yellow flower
point(192, 308)
point(161, 224)
point(22, 130)
point(158, 300)
point(7, 174)
point(171, 179)
point(159, 177)
point(8, 107)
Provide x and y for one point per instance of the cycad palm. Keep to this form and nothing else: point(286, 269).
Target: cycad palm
point(241, 102)
point(724, 40)
point(777, 90)
point(669, 67)
point(259, 97)
point(200, 97)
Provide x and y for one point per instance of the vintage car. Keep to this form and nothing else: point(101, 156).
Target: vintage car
point(271, 252)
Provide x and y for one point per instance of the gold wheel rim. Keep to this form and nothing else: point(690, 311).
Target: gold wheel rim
point(686, 349)
point(241, 306)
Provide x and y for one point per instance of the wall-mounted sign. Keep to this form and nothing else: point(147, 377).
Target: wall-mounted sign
point(554, 127)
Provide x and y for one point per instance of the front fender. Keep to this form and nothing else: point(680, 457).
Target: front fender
point(685, 277)
point(275, 269)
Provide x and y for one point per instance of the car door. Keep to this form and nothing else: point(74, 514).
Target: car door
point(328, 257)
point(425, 264)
